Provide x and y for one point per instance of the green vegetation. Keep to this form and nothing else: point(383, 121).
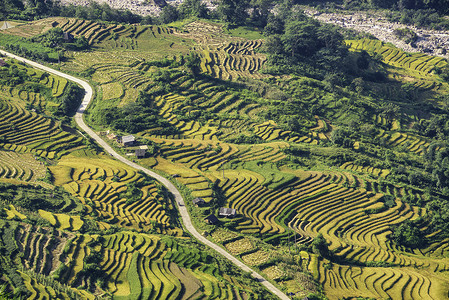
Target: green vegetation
point(28, 48)
point(333, 153)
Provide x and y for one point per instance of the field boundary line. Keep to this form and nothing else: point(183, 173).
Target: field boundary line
point(88, 96)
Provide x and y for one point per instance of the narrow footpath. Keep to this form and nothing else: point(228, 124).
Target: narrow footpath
point(178, 198)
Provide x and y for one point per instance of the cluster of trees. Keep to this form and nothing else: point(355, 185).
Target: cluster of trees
point(406, 34)
point(133, 118)
point(297, 43)
point(233, 12)
point(47, 47)
point(25, 47)
point(32, 198)
point(70, 100)
point(430, 18)
point(54, 38)
point(408, 234)
point(37, 9)
point(98, 12)
point(11, 75)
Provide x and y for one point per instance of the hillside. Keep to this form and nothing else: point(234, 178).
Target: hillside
point(332, 152)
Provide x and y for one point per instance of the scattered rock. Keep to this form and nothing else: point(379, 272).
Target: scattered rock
point(432, 42)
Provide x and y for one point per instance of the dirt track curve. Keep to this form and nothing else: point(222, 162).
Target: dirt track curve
point(178, 198)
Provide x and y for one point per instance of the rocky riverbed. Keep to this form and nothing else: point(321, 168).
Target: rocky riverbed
point(429, 41)
point(140, 7)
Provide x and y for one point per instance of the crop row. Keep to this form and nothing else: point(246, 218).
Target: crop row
point(379, 283)
point(113, 35)
point(62, 221)
point(142, 266)
point(409, 142)
point(20, 126)
point(362, 169)
point(104, 183)
point(40, 249)
point(228, 66)
point(39, 291)
point(20, 166)
point(421, 63)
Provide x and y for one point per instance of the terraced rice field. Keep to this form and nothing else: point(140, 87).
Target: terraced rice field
point(142, 265)
point(41, 251)
point(21, 166)
point(410, 142)
point(380, 283)
point(416, 62)
point(340, 215)
point(102, 185)
point(362, 169)
point(274, 201)
point(234, 60)
point(23, 128)
point(116, 35)
point(220, 103)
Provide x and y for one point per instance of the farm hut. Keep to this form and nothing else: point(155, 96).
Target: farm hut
point(2, 63)
point(112, 136)
point(227, 212)
point(6, 25)
point(128, 140)
point(68, 37)
point(212, 220)
point(140, 153)
point(198, 201)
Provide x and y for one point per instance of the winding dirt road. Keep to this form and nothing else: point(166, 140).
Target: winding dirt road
point(178, 198)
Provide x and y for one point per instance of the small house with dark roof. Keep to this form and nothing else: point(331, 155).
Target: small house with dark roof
point(198, 201)
point(140, 153)
point(68, 37)
point(2, 63)
point(128, 140)
point(212, 220)
point(227, 212)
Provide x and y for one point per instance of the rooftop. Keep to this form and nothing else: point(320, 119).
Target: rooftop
point(140, 152)
point(212, 219)
point(198, 201)
point(226, 211)
point(128, 139)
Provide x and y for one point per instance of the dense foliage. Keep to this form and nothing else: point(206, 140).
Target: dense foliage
point(134, 118)
point(29, 10)
point(25, 47)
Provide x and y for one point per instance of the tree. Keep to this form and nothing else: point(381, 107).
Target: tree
point(168, 14)
point(193, 8)
point(193, 63)
point(320, 246)
point(274, 45)
point(260, 11)
point(363, 60)
point(274, 25)
point(390, 111)
point(233, 12)
point(358, 85)
point(408, 234)
point(300, 38)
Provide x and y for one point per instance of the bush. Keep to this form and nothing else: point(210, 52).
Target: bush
point(409, 235)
